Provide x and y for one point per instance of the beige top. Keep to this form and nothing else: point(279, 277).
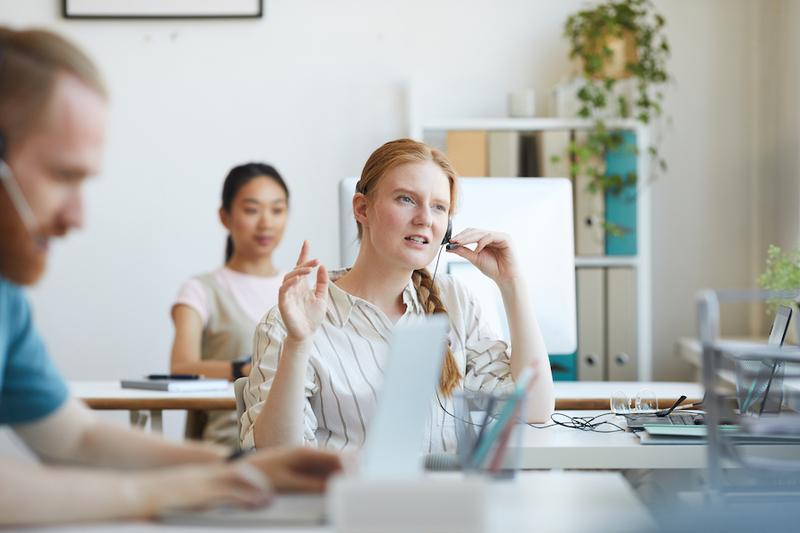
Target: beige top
point(227, 335)
point(349, 352)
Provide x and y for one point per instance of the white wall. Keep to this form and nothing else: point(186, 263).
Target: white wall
point(313, 88)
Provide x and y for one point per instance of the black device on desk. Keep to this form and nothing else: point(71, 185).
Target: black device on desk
point(759, 388)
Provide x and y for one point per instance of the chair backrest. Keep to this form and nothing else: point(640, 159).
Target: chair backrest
point(537, 213)
point(238, 392)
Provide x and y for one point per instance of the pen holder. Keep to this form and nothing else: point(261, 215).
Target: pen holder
point(489, 431)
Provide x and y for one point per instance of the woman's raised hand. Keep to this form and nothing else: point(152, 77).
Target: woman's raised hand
point(303, 307)
point(493, 254)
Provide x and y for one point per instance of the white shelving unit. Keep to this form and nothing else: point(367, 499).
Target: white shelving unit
point(641, 263)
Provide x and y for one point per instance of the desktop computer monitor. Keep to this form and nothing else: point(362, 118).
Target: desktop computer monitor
point(537, 213)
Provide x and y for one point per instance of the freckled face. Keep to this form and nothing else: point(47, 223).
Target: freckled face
point(408, 212)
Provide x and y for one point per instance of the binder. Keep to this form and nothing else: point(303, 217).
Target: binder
point(589, 207)
point(467, 151)
point(591, 324)
point(554, 143)
point(563, 367)
point(621, 320)
point(621, 205)
point(504, 154)
point(529, 164)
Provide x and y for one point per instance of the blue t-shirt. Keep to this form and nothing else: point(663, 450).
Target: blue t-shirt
point(30, 386)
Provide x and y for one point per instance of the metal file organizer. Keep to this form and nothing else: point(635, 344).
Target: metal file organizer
point(752, 397)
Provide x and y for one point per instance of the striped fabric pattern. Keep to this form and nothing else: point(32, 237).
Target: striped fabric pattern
point(349, 353)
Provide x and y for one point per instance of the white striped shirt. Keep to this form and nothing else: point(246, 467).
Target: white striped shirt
point(349, 352)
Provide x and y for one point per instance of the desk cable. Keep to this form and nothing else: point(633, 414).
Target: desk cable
point(581, 423)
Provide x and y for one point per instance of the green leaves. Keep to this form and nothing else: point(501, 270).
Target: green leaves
point(782, 273)
point(590, 32)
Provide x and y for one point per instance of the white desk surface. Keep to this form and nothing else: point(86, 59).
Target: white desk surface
point(559, 502)
point(560, 447)
point(89, 390)
point(569, 394)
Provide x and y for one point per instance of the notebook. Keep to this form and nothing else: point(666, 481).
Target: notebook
point(176, 385)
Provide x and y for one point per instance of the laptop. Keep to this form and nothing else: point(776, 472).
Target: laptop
point(393, 447)
point(767, 374)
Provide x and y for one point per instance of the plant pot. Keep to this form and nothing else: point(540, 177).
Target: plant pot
point(623, 50)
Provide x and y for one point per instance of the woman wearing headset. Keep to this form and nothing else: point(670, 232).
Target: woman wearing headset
point(216, 313)
point(319, 356)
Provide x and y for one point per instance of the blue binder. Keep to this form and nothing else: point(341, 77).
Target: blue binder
point(621, 204)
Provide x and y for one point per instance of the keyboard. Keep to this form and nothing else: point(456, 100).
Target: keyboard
point(636, 422)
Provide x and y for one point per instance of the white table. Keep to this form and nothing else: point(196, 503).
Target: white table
point(559, 447)
point(108, 395)
point(559, 502)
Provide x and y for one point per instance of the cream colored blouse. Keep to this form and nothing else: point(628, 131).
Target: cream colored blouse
point(350, 350)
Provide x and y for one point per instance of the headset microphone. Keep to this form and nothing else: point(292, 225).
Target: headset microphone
point(448, 233)
point(445, 243)
point(17, 198)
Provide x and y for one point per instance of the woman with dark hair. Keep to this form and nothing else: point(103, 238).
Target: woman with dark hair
point(216, 313)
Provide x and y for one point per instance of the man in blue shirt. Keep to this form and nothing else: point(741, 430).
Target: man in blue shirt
point(52, 125)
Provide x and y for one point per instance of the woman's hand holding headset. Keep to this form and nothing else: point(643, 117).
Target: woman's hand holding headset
point(493, 255)
point(302, 307)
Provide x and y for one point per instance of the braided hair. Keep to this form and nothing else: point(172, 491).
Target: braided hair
point(391, 155)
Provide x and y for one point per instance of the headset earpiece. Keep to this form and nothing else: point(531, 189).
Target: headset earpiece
point(447, 234)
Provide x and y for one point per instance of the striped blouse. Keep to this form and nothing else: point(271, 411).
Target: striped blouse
point(349, 352)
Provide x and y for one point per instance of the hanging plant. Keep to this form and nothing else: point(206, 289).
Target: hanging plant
point(617, 43)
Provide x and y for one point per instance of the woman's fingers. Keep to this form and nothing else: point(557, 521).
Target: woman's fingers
point(468, 236)
point(464, 252)
point(321, 289)
point(303, 254)
point(481, 238)
point(299, 271)
point(287, 285)
point(484, 241)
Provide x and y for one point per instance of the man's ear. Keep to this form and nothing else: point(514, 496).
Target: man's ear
point(360, 208)
point(225, 218)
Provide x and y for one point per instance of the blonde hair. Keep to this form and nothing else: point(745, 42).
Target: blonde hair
point(30, 61)
point(391, 155)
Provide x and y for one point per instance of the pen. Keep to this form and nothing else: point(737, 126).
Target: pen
point(503, 418)
point(487, 420)
point(173, 376)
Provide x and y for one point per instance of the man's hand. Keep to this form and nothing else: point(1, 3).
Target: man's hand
point(296, 469)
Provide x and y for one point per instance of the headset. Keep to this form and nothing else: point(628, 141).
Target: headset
point(21, 205)
point(447, 234)
point(445, 244)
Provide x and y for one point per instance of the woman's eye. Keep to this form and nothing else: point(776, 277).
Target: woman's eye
point(251, 211)
point(278, 212)
point(406, 199)
point(441, 208)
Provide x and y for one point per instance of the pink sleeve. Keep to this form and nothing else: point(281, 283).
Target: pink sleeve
point(193, 294)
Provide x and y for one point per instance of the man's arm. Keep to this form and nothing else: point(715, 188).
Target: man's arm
point(74, 435)
point(37, 494)
point(34, 494)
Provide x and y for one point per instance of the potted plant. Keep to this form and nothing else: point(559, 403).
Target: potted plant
point(782, 274)
point(613, 41)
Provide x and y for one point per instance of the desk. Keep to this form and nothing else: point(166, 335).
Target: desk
point(560, 447)
point(559, 502)
point(108, 395)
